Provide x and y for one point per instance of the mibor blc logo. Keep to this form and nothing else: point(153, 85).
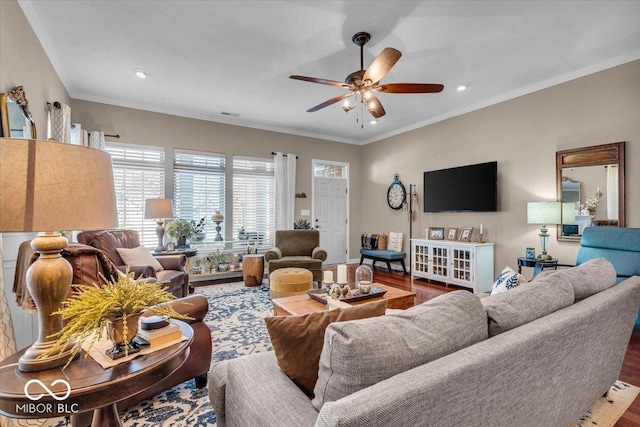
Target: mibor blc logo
point(34, 389)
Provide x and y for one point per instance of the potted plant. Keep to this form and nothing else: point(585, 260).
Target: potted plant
point(114, 308)
point(198, 230)
point(221, 259)
point(179, 229)
point(302, 224)
point(242, 234)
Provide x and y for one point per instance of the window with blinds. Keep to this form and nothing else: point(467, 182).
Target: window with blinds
point(138, 173)
point(254, 199)
point(199, 180)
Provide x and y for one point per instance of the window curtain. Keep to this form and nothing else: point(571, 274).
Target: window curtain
point(285, 180)
point(96, 139)
point(612, 192)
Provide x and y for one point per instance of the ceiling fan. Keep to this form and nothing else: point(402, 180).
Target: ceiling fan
point(363, 83)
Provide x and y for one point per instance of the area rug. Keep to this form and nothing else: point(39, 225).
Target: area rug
point(235, 317)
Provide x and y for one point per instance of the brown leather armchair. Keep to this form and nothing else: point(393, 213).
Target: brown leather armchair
point(89, 267)
point(173, 274)
point(297, 248)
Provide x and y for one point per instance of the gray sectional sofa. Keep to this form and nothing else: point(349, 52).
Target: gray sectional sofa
point(537, 355)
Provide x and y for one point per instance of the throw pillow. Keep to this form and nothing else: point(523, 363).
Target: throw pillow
point(357, 355)
point(507, 279)
point(297, 340)
point(139, 256)
point(395, 242)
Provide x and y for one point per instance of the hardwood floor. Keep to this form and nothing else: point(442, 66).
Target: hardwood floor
point(425, 291)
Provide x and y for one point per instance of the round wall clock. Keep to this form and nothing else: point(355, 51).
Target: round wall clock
point(396, 194)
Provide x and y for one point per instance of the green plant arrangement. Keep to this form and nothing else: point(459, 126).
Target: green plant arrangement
point(90, 310)
point(197, 227)
point(221, 259)
point(179, 228)
point(302, 224)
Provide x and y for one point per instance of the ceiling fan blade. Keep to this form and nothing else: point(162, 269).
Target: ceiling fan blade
point(321, 81)
point(329, 102)
point(409, 88)
point(374, 106)
point(382, 64)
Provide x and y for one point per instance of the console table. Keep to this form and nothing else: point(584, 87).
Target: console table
point(467, 264)
point(89, 386)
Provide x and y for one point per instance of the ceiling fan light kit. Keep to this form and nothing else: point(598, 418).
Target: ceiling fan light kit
point(363, 83)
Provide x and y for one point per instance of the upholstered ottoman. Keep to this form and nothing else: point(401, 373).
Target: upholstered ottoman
point(285, 282)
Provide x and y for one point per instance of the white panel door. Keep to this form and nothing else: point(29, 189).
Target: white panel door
point(330, 210)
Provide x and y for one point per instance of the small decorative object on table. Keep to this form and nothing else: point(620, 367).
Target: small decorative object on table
point(345, 293)
point(364, 278)
point(115, 307)
point(435, 233)
point(481, 235)
point(465, 234)
point(221, 260)
point(242, 234)
point(218, 218)
point(198, 230)
point(452, 233)
point(327, 278)
point(171, 247)
point(531, 253)
point(179, 229)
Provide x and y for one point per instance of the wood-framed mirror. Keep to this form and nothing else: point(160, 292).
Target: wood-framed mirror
point(590, 185)
point(15, 117)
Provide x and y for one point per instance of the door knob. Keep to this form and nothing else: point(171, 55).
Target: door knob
point(317, 226)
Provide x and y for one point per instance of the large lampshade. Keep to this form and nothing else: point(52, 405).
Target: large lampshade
point(544, 212)
point(49, 186)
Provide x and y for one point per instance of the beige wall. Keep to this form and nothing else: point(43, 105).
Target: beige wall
point(162, 130)
point(523, 135)
point(23, 62)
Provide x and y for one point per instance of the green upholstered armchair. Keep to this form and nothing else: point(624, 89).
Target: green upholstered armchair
point(297, 248)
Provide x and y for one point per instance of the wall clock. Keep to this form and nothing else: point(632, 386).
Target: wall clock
point(396, 194)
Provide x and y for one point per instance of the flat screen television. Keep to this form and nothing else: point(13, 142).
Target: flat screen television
point(472, 188)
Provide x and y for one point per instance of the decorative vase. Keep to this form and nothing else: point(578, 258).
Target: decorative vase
point(584, 212)
point(199, 237)
point(364, 278)
point(121, 333)
point(182, 242)
point(223, 266)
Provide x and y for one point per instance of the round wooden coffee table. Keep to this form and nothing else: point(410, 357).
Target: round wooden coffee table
point(252, 269)
point(84, 385)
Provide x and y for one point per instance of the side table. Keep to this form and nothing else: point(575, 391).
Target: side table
point(84, 385)
point(537, 263)
point(252, 269)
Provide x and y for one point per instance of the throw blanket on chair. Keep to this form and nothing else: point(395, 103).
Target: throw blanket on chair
point(88, 265)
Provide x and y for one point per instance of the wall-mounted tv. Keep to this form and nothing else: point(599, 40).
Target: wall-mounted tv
point(472, 188)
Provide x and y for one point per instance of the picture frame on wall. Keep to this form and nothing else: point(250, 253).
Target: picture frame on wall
point(435, 233)
point(465, 234)
point(452, 233)
point(530, 253)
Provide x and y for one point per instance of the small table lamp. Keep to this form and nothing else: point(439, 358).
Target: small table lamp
point(48, 187)
point(159, 210)
point(544, 213)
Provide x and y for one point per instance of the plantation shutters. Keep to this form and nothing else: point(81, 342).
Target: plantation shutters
point(254, 200)
point(138, 173)
point(199, 180)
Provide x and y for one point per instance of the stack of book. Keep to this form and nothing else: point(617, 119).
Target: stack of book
point(157, 337)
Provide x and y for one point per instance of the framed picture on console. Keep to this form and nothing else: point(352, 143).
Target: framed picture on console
point(452, 233)
point(465, 234)
point(531, 253)
point(435, 233)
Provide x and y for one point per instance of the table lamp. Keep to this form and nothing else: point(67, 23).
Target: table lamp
point(544, 213)
point(159, 210)
point(47, 187)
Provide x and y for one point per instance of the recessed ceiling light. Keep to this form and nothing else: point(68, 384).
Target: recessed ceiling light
point(461, 88)
point(373, 122)
point(140, 73)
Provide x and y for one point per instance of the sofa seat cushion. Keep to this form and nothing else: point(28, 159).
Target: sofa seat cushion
point(139, 256)
point(508, 310)
point(361, 353)
point(587, 279)
point(297, 340)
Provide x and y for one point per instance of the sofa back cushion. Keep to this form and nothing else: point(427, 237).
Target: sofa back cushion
point(620, 246)
point(361, 353)
point(531, 301)
point(587, 279)
point(109, 240)
point(297, 242)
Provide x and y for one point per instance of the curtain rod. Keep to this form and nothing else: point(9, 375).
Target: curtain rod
point(273, 153)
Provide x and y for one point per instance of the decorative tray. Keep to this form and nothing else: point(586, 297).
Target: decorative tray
point(321, 294)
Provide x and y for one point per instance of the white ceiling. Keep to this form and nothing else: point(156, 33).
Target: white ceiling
point(209, 57)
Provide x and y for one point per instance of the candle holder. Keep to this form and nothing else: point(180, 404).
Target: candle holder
point(481, 238)
point(218, 218)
